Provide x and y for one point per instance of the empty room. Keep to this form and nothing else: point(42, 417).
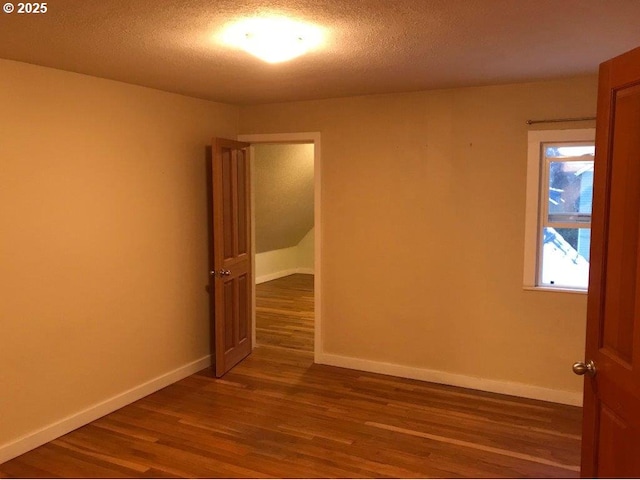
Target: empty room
point(332, 239)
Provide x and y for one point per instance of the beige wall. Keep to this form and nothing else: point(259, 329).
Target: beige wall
point(283, 191)
point(286, 261)
point(423, 200)
point(103, 244)
point(276, 263)
point(306, 251)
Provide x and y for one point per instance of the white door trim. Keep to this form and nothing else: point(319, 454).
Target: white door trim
point(304, 137)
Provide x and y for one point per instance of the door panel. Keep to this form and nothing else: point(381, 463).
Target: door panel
point(229, 316)
point(227, 202)
point(242, 200)
point(611, 424)
point(624, 216)
point(613, 434)
point(243, 320)
point(231, 266)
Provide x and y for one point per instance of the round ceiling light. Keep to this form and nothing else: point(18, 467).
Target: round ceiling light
point(274, 39)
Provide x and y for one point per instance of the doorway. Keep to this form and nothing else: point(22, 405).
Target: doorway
point(298, 285)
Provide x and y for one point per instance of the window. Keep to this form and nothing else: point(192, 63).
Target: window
point(558, 215)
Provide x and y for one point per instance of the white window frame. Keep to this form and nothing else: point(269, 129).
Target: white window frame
point(536, 139)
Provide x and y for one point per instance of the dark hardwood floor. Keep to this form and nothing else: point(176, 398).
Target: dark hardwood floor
point(284, 312)
point(278, 415)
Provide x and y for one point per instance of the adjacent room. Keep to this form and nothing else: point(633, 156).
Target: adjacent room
point(283, 190)
point(427, 235)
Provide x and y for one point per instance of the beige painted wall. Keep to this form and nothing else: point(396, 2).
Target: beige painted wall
point(283, 190)
point(276, 263)
point(286, 261)
point(306, 251)
point(423, 200)
point(103, 250)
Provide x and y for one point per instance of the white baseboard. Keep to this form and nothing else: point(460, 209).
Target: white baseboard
point(435, 376)
point(51, 432)
point(283, 273)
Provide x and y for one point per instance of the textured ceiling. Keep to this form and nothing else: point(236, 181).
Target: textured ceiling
point(283, 186)
point(373, 46)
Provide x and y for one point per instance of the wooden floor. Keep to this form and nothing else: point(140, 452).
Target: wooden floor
point(284, 312)
point(279, 415)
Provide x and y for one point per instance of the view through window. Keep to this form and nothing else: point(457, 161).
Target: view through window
point(565, 214)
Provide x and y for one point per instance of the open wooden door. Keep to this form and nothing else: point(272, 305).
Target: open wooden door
point(230, 282)
point(611, 423)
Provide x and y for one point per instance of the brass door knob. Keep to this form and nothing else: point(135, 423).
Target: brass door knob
point(581, 368)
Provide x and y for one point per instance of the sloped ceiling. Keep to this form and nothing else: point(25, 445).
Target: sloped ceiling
point(372, 46)
point(283, 176)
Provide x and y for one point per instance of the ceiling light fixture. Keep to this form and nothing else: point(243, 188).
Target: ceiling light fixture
point(274, 39)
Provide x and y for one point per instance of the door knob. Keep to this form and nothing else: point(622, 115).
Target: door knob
point(220, 273)
point(580, 368)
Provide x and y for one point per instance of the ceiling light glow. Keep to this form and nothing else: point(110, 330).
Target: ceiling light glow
point(275, 39)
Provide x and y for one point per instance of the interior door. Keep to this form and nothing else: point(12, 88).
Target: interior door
point(611, 422)
point(230, 260)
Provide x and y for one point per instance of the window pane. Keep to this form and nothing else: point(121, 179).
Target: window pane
point(570, 191)
point(552, 151)
point(565, 257)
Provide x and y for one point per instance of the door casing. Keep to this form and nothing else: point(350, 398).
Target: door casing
point(304, 137)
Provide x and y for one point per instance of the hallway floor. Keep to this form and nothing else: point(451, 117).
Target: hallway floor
point(284, 312)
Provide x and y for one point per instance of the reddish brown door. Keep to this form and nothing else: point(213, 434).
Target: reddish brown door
point(230, 274)
point(611, 426)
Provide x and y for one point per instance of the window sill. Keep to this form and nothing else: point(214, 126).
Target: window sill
point(556, 290)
